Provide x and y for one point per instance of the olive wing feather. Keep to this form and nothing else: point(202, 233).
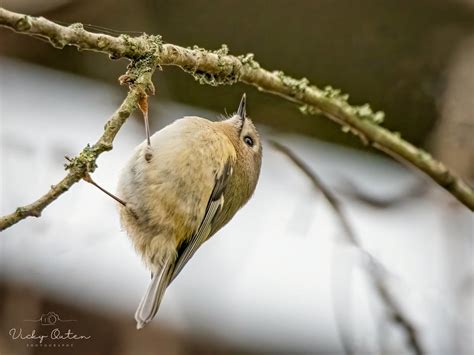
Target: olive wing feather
point(214, 207)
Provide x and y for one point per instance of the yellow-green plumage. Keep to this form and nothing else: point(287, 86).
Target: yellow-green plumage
point(169, 190)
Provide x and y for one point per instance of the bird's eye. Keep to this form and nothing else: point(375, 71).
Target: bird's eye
point(248, 141)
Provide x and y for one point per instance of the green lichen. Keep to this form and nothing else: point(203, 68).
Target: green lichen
point(224, 50)
point(331, 96)
point(248, 60)
point(227, 73)
point(215, 79)
point(364, 111)
point(332, 93)
point(140, 69)
point(423, 155)
point(144, 46)
point(346, 129)
point(309, 110)
point(23, 24)
point(76, 26)
point(102, 42)
point(297, 87)
point(197, 48)
point(155, 43)
point(128, 41)
point(84, 162)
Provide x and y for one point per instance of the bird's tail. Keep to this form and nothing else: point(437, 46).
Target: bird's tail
point(150, 302)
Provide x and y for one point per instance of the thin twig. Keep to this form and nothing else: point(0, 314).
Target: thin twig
point(356, 193)
point(85, 162)
point(88, 179)
point(217, 67)
point(376, 271)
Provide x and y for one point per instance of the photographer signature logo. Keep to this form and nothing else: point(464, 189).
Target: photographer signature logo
point(50, 318)
point(48, 334)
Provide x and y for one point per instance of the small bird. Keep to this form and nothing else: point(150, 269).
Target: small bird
point(181, 188)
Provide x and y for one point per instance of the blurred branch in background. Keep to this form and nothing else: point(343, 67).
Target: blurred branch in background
point(351, 190)
point(218, 68)
point(375, 269)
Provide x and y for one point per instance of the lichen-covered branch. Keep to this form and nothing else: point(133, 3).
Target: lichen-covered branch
point(376, 271)
point(218, 67)
point(79, 166)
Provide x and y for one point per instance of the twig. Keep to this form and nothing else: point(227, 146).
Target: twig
point(85, 163)
point(217, 67)
point(376, 271)
point(356, 193)
point(87, 178)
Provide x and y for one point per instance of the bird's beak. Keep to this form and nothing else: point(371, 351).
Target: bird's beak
point(241, 110)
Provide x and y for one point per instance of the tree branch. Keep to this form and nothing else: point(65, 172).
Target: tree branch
point(376, 270)
point(217, 68)
point(85, 162)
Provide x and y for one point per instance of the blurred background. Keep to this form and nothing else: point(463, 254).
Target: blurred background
point(280, 278)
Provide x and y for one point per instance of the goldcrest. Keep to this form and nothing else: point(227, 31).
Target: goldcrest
point(181, 189)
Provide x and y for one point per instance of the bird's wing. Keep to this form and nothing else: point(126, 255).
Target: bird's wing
point(214, 206)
